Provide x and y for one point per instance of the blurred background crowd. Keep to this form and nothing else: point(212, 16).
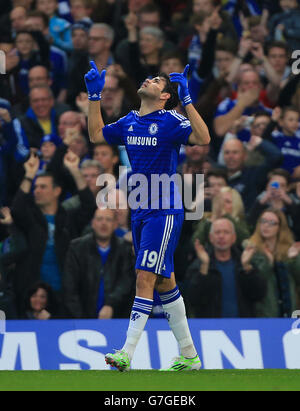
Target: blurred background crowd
point(60, 255)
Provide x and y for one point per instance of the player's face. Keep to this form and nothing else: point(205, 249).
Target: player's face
point(152, 88)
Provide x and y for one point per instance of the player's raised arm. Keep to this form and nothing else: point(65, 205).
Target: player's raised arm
point(200, 135)
point(94, 83)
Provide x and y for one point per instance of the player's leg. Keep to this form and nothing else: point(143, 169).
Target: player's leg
point(173, 303)
point(143, 302)
point(142, 307)
point(174, 308)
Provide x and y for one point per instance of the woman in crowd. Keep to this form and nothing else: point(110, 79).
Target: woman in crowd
point(272, 253)
point(40, 303)
point(228, 203)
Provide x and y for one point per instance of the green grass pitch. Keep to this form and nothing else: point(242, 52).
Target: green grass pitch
point(205, 380)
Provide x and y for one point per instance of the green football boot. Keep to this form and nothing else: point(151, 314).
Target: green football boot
point(185, 364)
point(119, 360)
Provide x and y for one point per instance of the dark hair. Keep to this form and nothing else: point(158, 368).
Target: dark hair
point(173, 54)
point(218, 173)
point(199, 18)
point(287, 109)
point(254, 21)
point(51, 300)
point(279, 45)
point(55, 182)
point(18, 33)
point(228, 45)
point(113, 148)
point(262, 113)
point(280, 172)
point(39, 14)
point(149, 8)
point(170, 88)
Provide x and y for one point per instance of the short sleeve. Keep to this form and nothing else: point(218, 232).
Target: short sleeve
point(113, 133)
point(180, 129)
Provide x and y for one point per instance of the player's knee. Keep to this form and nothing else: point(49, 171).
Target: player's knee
point(165, 284)
point(145, 281)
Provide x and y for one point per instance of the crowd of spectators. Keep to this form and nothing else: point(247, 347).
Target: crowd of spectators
point(61, 256)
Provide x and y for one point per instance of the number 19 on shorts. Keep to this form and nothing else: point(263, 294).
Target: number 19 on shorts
point(149, 259)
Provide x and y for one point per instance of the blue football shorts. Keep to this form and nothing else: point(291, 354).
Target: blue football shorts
point(155, 240)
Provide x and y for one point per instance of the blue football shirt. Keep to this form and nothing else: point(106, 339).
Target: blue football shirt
point(152, 143)
point(290, 149)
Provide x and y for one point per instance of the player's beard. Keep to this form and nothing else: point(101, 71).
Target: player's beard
point(144, 94)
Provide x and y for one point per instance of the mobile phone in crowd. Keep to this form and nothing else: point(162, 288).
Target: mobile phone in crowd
point(275, 184)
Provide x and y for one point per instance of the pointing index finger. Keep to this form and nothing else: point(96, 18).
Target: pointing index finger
point(93, 65)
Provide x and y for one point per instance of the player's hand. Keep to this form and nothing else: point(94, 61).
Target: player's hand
point(94, 82)
point(183, 87)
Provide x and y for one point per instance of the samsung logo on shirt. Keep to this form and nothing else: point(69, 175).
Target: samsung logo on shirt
point(141, 141)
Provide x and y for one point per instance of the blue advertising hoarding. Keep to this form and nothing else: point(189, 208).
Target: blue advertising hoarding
point(82, 344)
